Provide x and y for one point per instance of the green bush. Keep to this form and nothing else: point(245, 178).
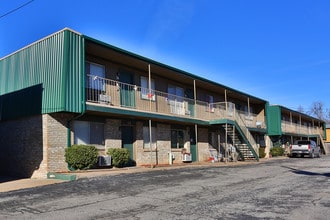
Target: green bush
point(277, 151)
point(81, 156)
point(119, 156)
point(262, 153)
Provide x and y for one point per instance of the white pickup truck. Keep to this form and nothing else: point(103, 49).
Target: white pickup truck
point(305, 147)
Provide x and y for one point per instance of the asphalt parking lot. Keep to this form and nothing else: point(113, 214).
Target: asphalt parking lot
point(287, 188)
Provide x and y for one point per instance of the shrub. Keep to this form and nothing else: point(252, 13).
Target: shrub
point(119, 156)
point(277, 151)
point(81, 156)
point(262, 153)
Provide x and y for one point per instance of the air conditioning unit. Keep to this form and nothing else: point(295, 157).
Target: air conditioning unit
point(186, 157)
point(106, 99)
point(104, 161)
point(259, 124)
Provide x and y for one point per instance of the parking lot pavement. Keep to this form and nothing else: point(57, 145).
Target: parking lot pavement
point(10, 184)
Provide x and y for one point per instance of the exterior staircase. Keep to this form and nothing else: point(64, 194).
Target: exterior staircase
point(323, 145)
point(235, 137)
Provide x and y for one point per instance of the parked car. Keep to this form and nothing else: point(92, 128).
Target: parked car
point(305, 147)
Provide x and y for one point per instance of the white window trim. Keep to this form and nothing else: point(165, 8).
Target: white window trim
point(145, 93)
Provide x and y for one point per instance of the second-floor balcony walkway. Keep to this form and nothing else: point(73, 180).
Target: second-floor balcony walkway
point(117, 94)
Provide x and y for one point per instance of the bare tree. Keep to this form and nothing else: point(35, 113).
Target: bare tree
point(317, 110)
point(301, 109)
point(327, 116)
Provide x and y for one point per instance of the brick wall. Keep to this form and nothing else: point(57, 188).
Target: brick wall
point(203, 144)
point(112, 134)
point(55, 140)
point(21, 147)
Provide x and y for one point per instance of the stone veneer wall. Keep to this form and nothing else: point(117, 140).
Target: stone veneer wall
point(55, 140)
point(163, 144)
point(21, 146)
point(112, 133)
point(203, 144)
point(144, 156)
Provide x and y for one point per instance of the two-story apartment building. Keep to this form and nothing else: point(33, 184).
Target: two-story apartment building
point(286, 125)
point(69, 88)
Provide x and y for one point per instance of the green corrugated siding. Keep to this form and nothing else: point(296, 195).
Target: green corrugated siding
point(74, 84)
point(56, 62)
point(273, 120)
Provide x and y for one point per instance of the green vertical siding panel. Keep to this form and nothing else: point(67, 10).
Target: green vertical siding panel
point(74, 72)
point(56, 62)
point(274, 120)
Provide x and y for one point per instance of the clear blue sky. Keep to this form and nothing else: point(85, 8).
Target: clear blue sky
point(278, 50)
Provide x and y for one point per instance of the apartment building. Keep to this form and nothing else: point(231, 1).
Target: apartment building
point(68, 88)
point(286, 125)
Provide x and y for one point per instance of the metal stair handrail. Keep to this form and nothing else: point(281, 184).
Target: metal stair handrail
point(245, 130)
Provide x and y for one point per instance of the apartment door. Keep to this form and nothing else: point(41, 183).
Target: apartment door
point(127, 140)
point(127, 92)
point(193, 146)
point(191, 103)
point(175, 99)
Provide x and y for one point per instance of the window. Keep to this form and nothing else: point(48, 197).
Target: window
point(145, 93)
point(146, 137)
point(88, 132)
point(210, 103)
point(177, 139)
point(247, 111)
point(175, 100)
point(96, 76)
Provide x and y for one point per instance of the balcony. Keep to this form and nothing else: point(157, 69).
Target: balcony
point(121, 95)
point(295, 128)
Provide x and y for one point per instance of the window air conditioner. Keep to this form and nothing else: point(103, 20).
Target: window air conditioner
point(259, 124)
point(186, 157)
point(104, 161)
point(106, 99)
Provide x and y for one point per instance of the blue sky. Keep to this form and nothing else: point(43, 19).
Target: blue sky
point(278, 50)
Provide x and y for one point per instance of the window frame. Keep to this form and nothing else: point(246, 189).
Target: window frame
point(88, 128)
point(177, 139)
point(146, 137)
point(145, 93)
point(96, 82)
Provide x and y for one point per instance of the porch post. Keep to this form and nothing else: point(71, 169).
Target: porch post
point(226, 100)
point(150, 143)
point(195, 99)
point(196, 140)
point(219, 146)
point(226, 147)
point(149, 86)
point(248, 99)
point(150, 130)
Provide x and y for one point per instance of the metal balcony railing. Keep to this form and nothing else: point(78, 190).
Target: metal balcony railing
point(116, 94)
point(295, 128)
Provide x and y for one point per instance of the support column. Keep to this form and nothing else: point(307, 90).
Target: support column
point(195, 100)
point(196, 140)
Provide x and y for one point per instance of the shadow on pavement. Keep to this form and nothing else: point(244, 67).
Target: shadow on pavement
point(4, 179)
point(304, 172)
